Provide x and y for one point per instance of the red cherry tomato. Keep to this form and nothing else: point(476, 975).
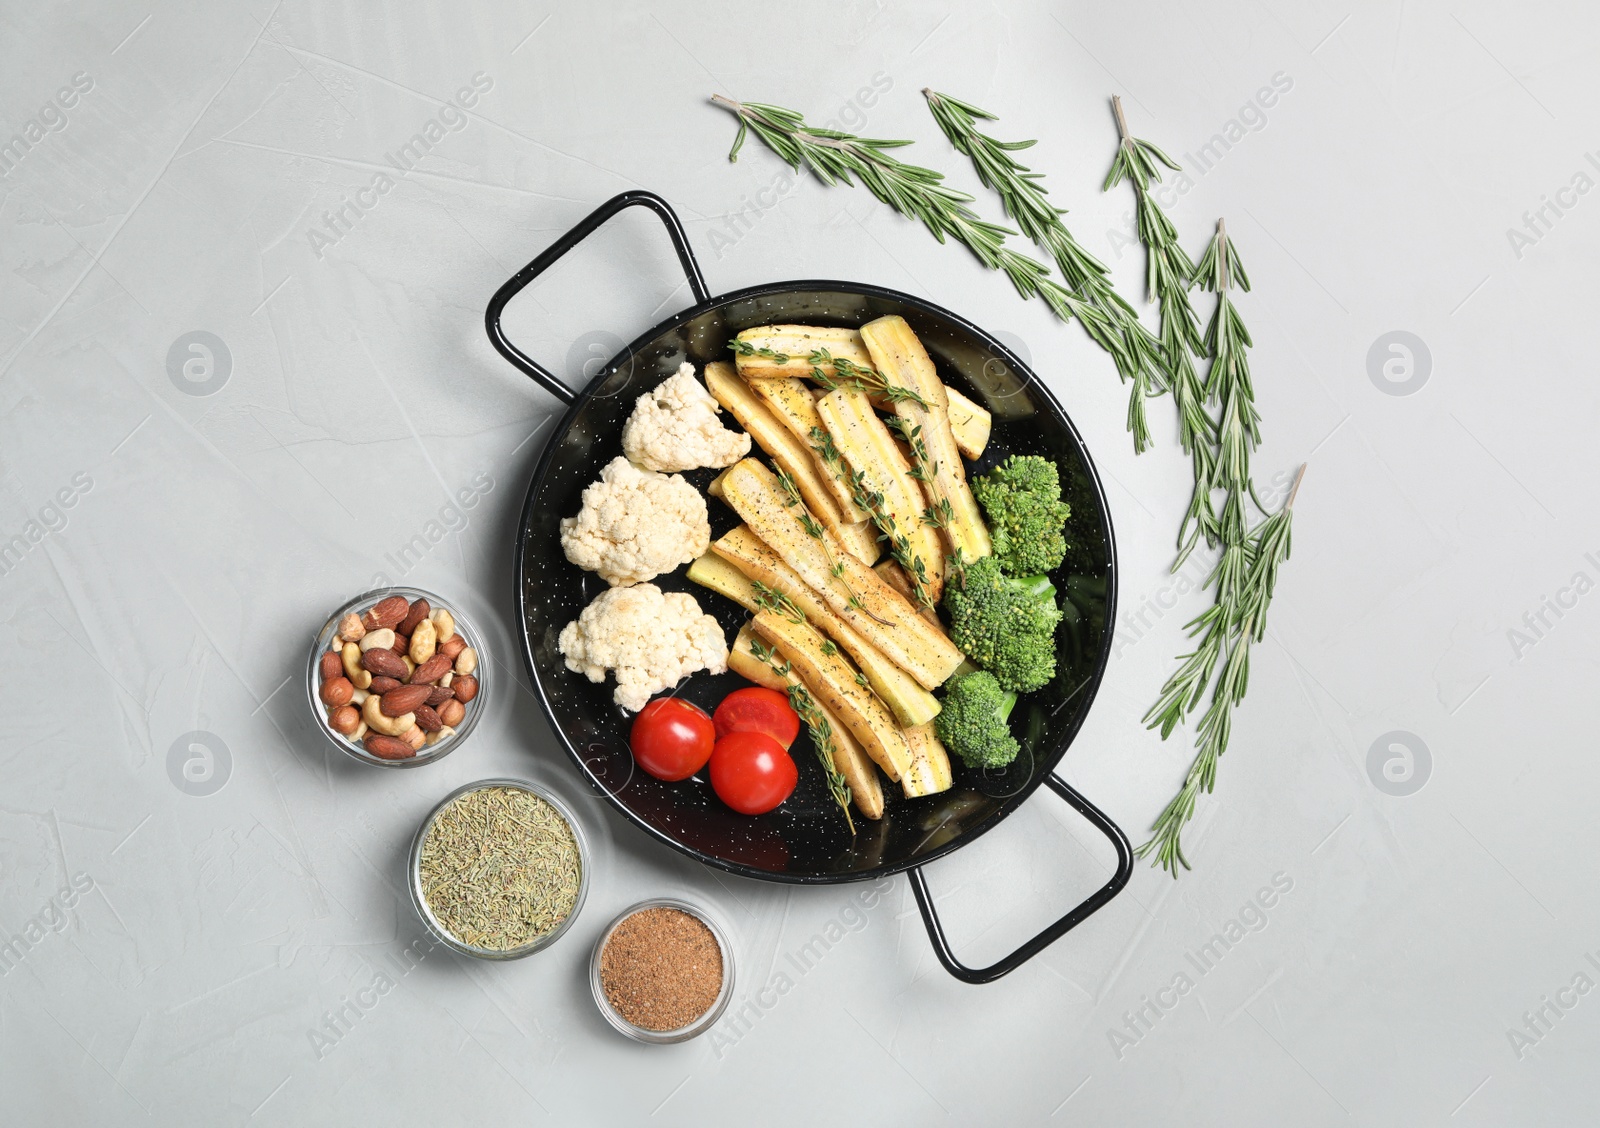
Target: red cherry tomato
point(755, 709)
point(751, 772)
point(672, 738)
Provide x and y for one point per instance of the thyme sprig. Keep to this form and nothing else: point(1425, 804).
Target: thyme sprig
point(873, 504)
point(846, 372)
point(813, 529)
point(771, 599)
point(820, 727)
point(1232, 624)
point(1137, 353)
point(916, 193)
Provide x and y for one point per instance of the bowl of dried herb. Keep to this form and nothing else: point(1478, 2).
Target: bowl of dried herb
point(499, 869)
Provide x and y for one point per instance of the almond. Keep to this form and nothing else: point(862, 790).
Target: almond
point(428, 720)
point(402, 643)
point(431, 670)
point(386, 663)
point(465, 687)
point(388, 747)
point(404, 699)
point(387, 613)
point(440, 694)
point(419, 611)
point(332, 665)
point(380, 686)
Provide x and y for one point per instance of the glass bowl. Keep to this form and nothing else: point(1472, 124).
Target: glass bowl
point(323, 643)
point(443, 934)
point(683, 1033)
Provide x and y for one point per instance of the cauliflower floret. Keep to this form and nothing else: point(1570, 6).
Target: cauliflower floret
point(675, 427)
point(636, 524)
point(651, 640)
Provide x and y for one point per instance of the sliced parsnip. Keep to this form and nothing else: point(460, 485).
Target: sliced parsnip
point(870, 451)
point(717, 573)
point(849, 759)
point(856, 593)
point(929, 770)
point(908, 701)
point(832, 682)
point(902, 361)
point(796, 344)
point(969, 423)
point(895, 576)
point(791, 456)
point(794, 404)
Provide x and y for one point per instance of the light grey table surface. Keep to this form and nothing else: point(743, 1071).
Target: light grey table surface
point(1422, 168)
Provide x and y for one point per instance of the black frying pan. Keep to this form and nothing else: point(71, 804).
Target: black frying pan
point(805, 841)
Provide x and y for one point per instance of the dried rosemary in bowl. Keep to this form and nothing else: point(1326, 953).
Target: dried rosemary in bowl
point(500, 867)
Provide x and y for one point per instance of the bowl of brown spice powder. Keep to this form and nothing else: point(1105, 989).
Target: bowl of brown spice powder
point(499, 869)
point(662, 972)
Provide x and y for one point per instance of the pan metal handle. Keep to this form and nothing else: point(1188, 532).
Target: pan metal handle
point(941, 944)
point(497, 304)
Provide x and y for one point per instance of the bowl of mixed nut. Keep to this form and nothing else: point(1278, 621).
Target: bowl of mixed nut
point(395, 678)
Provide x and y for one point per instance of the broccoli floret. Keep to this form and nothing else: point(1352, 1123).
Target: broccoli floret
point(972, 721)
point(1005, 625)
point(1022, 498)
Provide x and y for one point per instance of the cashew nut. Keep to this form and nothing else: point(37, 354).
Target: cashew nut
point(358, 697)
point(388, 726)
point(440, 734)
point(466, 661)
point(444, 624)
point(424, 640)
point(383, 639)
point(350, 656)
point(361, 731)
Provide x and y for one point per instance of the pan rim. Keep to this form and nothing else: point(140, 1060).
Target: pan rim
point(536, 485)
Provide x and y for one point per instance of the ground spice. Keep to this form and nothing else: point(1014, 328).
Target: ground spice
point(500, 868)
point(661, 969)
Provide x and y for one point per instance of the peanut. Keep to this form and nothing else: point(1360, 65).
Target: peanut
point(424, 641)
point(453, 647)
point(444, 624)
point(337, 691)
point(377, 640)
point(388, 726)
point(447, 679)
point(451, 712)
point(411, 667)
point(359, 676)
point(466, 661)
point(350, 628)
point(345, 719)
point(419, 611)
point(436, 737)
point(331, 665)
point(465, 687)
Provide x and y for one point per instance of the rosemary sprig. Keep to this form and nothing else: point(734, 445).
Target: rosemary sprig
point(1137, 353)
point(1242, 617)
point(820, 727)
point(813, 529)
point(1228, 384)
point(916, 193)
point(1167, 273)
